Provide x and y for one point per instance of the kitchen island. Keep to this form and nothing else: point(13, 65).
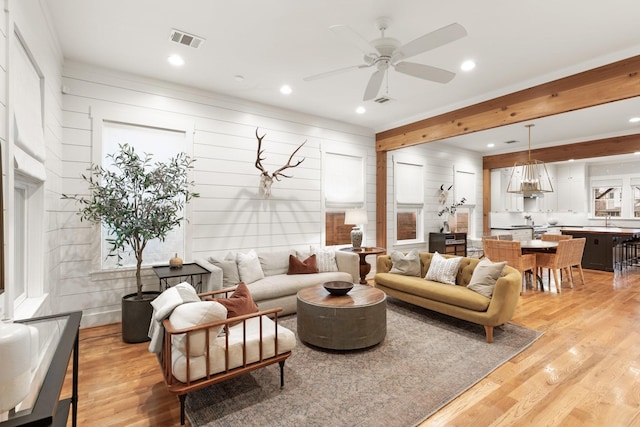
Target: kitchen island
point(602, 244)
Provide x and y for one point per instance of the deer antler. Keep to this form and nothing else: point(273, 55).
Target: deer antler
point(260, 159)
point(278, 173)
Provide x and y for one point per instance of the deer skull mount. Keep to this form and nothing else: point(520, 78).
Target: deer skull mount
point(443, 194)
point(266, 178)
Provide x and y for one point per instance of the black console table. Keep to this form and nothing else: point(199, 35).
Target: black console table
point(448, 243)
point(58, 336)
point(187, 271)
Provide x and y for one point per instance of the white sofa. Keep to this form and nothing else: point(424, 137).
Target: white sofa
point(277, 288)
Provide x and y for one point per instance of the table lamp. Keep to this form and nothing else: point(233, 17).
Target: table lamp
point(356, 217)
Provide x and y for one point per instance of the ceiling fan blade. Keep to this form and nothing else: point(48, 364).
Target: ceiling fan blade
point(425, 72)
point(350, 36)
point(375, 82)
point(430, 41)
point(333, 72)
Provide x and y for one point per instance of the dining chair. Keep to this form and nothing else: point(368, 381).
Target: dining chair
point(553, 237)
point(568, 255)
point(511, 252)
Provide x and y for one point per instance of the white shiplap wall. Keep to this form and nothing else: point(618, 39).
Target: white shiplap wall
point(230, 214)
point(439, 162)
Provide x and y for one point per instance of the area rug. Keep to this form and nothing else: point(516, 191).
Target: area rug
point(425, 361)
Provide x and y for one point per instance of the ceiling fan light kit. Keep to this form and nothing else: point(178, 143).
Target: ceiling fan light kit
point(530, 178)
point(386, 52)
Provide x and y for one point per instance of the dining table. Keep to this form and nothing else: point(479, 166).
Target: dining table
point(529, 246)
point(538, 246)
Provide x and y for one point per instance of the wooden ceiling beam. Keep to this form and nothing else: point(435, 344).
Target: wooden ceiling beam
point(613, 146)
point(613, 82)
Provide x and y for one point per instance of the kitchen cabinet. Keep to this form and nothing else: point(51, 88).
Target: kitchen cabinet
point(599, 247)
point(517, 233)
point(572, 193)
point(501, 201)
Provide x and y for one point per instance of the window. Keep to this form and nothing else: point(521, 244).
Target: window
point(407, 220)
point(27, 248)
point(163, 144)
point(344, 188)
point(409, 191)
point(20, 243)
point(28, 240)
point(635, 193)
point(336, 231)
point(462, 220)
point(607, 201)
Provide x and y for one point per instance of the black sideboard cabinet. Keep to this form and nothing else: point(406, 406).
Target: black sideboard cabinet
point(448, 243)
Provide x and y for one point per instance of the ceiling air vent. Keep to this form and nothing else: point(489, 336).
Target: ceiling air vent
point(512, 141)
point(186, 39)
point(382, 99)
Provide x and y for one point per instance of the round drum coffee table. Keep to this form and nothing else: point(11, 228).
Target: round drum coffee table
point(347, 322)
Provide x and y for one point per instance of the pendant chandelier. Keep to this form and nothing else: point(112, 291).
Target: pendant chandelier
point(530, 178)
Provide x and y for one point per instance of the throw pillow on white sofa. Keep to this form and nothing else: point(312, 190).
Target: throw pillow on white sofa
point(325, 259)
point(249, 267)
point(275, 262)
point(229, 266)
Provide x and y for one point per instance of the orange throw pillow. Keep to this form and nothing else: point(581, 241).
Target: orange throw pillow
point(308, 266)
point(239, 303)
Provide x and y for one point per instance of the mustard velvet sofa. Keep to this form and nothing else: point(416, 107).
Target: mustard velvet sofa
point(457, 301)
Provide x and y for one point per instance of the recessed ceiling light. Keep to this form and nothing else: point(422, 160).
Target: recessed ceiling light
point(286, 90)
point(361, 110)
point(634, 120)
point(491, 145)
point(637, 153)
point(176, 60)
point(468, 65)
point(571, 160)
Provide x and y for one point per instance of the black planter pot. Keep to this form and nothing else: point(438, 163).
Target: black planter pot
point(136, 316)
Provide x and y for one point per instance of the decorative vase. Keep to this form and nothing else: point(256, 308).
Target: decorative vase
point(175, 262)
point(356, 237)
point(452, 223)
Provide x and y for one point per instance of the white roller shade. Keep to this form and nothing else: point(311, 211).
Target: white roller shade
point(465, 187)
point(27, 112)
point(409, 183)
point(344, 180)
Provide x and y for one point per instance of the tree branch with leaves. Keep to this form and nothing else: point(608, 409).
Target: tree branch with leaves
point(137, 200)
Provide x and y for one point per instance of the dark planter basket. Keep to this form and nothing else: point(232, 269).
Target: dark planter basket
point(136, 316)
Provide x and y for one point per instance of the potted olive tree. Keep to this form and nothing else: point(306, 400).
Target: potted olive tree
point(137, 201)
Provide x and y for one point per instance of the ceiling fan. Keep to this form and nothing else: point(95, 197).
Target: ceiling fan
point(386, 52)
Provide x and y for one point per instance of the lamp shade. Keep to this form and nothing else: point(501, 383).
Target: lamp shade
point(355, 216)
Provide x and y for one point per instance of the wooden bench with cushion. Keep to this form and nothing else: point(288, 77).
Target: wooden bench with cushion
point(202, 346)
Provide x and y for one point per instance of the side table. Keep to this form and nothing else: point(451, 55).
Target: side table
point(365, 267)
point(59, 344)
point(188, 271)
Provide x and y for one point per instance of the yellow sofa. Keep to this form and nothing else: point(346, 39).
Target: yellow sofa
point(457, 301)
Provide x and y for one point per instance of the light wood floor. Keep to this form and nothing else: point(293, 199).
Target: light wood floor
point(584, 371)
